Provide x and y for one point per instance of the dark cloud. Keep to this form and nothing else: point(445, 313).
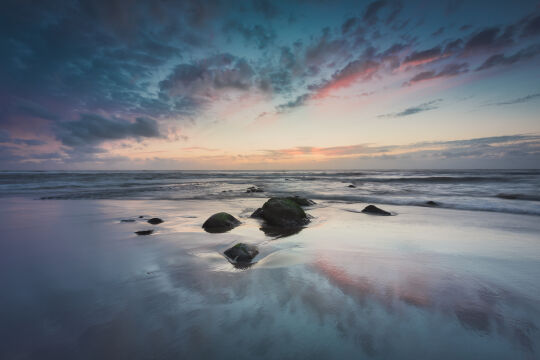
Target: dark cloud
point(299, 101)
point(202, 80)
point(501, 60)
point(348, 25)
point(258, 34)
point(370, 15)
point(430, 105)
point(449, 70)
point(453, 6)
point(532, 27)
point(438, 31)
point(489, 38)
point(326, 49)
point(93, 129)
point(519, 100)
point(419, 56)
point(5, 137)
point(31, 108)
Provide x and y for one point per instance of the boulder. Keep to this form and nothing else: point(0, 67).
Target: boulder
point(284, 212)
point(257, 214)
point(220, 222)
point(241, 253)
point(301, 201)
point(373, 210)
point(155, 221)
point(144, 232)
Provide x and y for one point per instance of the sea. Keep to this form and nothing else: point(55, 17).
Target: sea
point(505, 191)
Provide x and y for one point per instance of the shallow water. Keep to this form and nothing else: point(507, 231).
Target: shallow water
point(426, 283)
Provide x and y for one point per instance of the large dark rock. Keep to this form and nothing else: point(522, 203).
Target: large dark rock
point(301, 201)
point(155, 221)
point(257, 214)
point(284, 212)
point(144, 232)
point(242, 253)
point(220, 222)
point(373, 210)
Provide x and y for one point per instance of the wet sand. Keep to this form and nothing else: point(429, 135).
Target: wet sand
point(426, 283)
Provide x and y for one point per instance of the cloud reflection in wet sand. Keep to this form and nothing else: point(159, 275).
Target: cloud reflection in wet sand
point(477, 305)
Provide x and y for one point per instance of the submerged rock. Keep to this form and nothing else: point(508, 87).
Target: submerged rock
point(285, 212)
point(220, 222)
point(155, 221)
point(127, 220)
point(301, 201)
point(254, 189)
point(351, 186)
point(242, 253)
point(257, 214)
point(372, 209)
point(144, 232)
point(431, 203)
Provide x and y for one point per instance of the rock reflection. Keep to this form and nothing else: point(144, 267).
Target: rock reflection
point(277, 232)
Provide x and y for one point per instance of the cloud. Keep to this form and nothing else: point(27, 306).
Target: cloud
point(258, 34)
point(449, 70)
point(520, 100)
point(423, 57)
point(205, 80)
point(498, 148)
point(93, 129)
point(502, 60)
point(430, 105)
point(489, 38)
point(299, 101)
point(370, 15)
point(532, 27)
point(31, 108)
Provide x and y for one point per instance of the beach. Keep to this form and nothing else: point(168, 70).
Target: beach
point(427, 282)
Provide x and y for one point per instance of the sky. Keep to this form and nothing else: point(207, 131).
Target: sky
point(308, 84)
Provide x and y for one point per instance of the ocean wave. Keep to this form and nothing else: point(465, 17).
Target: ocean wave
point(528, 197)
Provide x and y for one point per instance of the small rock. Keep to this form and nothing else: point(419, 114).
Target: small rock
point(144, 232)
point(140, 217)
point(127, 220)
point(351, 186)
point(431, 203)
point(254, 189)
point(372, 209)
point(242, 253)
point(257, 214)
point(155, 221)
point(220, 222)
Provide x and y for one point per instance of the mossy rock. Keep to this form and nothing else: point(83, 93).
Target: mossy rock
point(257, 214)
point(220, 222)
point(242, 253)
point(301, 201)
point(373, 210)
point(284, 212)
